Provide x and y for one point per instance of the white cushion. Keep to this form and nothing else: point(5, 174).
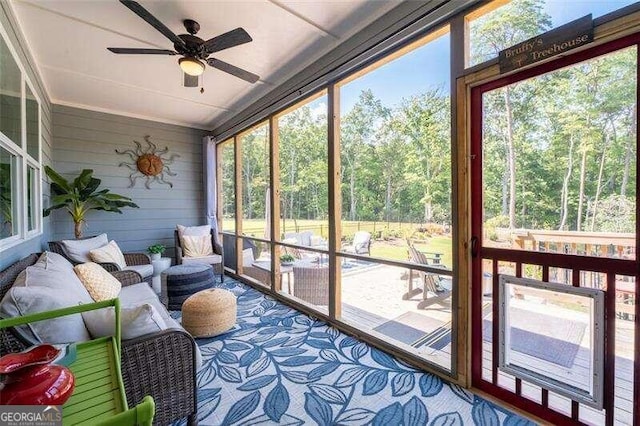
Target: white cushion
point(47, 285)
point(78, 250)
point(109, 253)
point(197, 245)
point(100, 284)
point(145, 270)
point(194, 230)
point(210, 260)
point(135, 321)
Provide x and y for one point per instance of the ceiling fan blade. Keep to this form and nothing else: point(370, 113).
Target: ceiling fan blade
point(233, 70)
point(136, 8)
point(132, 51)
point(227, 40)
point(189, 80)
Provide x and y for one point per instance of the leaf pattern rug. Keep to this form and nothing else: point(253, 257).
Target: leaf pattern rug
point(279, 366)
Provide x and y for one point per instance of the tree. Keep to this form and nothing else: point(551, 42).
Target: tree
point(81, 195)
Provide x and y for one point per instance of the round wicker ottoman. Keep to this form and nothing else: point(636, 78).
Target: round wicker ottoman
point(209, 312)
point(184, 280)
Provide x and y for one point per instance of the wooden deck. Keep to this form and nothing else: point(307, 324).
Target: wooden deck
point(374, 297)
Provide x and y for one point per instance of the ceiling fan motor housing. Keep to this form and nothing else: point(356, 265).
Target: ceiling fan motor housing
point(194, 46)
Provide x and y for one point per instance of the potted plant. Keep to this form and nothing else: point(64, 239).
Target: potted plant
point(156, 251)
point(81, 195)
point(287, 260)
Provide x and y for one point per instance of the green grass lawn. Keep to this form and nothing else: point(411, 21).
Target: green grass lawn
point(391, 248)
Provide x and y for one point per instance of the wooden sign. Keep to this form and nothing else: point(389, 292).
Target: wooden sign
point(555, 42)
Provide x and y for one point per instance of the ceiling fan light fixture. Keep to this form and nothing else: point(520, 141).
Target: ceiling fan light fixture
point(191, 66)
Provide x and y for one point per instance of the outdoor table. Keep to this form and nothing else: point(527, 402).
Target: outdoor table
point(265, 265)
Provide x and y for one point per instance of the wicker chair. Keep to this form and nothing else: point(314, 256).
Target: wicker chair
point(132, 259)
point(161, 364)
point(311, 284)
point(218, 267)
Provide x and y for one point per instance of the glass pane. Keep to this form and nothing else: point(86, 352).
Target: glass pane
point(10, 95)
point(559, 160)
point(8, 192)
point(32, 205)
point(411, 309)
point(33, 127)
point(255, 182)
point(228, 197)
point(494, 29)
point(256, 260)
point(395, 140)
point(304, 195)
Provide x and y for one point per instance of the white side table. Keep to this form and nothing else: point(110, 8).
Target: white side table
point(159, 266)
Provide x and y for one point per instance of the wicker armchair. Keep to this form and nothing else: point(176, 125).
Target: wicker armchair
point(132, 259)
point(311, 284)
point(218, 267)
point(161, 364)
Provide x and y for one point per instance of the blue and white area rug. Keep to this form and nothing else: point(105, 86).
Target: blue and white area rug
point(279, 366)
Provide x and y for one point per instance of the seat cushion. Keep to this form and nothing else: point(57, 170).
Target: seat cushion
point(209, 260)
point(100, 284)
point(109, 253)
point(141, 293)
point(145, 270)
point(135, 321)
point(78, 250)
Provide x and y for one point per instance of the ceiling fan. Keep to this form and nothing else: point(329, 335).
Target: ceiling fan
point(194, 50)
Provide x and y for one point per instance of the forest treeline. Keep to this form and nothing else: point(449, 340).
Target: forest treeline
point(559, 150)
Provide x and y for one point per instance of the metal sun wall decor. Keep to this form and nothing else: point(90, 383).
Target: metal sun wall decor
point(148, 163)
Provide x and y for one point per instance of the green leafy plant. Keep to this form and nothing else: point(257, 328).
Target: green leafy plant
point(287, 258)
point(81, 195)
point(156, 249)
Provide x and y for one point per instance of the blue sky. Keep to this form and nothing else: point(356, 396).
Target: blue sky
point(428, 66)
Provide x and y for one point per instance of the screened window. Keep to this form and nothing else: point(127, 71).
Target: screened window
point(20, 169)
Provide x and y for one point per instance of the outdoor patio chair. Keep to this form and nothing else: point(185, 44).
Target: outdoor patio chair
point(216, 259)
point(432, 289)
point(311, 284)
point(361, 244)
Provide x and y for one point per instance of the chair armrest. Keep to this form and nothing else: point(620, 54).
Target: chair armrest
point(162, 365)
point(127, 277)
point(136, 259)
point(110, 267)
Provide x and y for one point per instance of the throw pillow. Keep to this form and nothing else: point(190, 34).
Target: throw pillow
point(100, 284)
point(195, 231)
point(109, 253)
point(78, 250)
point(20, 301)
point(135, 321)
point(197, 246)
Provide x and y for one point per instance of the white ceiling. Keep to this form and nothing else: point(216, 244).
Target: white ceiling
point(69, 41)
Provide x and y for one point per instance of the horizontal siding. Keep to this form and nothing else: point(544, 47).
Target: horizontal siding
point(88, 139)
point(16, 39)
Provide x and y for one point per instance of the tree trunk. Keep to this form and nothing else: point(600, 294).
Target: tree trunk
point(387, 201)
point(511, 159)
point(77, 229)
point(594, 210)
point(564, 197)
point(583, 172)
point(352, 194)
point(627, 155)
point(505, 191)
